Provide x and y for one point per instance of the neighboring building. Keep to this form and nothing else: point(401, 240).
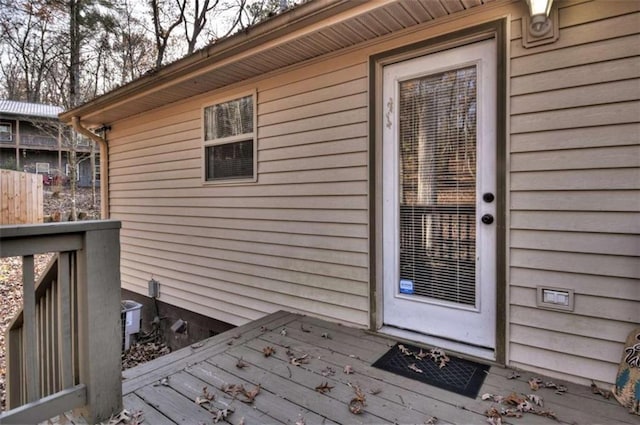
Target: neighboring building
point(32, 139)
point(428, 169)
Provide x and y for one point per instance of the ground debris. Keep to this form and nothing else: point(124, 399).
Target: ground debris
point(140, 353)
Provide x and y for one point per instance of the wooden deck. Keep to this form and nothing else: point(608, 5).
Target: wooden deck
point(165, 390)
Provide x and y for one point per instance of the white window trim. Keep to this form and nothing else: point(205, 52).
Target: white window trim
point(10, 139)
point(230, 139)
point(67, 171)
point(41, 165)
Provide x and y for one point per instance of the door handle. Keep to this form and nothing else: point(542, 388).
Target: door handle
point(487, 219)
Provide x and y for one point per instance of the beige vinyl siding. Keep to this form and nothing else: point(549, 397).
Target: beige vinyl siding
point(575, 191)
point(295, 240)
point(298, 239)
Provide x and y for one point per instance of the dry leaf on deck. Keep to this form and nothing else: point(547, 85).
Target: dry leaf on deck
point(241, 364)
point(221, 415)
point(536, 399)
point(421, 355)
point(493, 416)
point(375, 391)
point(201, 400)
point(303, 329)
point(297, 361)
point(487, 396)
point(328, 371)
point(324, 388)
point(536, 383)
point(431, 421)
point(513, 399)
point(415, 368)
point(597, 390)
point(325, 335)
point(232, 389)
point(545, 413)
point(251, 395)
point(511, 413)
point(283, 332)
point(268, 351)
point(356, 406)
point(348, 369)
point(300, 421)
point(513, 375)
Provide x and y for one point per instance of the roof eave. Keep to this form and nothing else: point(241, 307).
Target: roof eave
point(306, 14)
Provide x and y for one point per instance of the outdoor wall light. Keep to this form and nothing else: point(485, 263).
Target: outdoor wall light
point(540, 24)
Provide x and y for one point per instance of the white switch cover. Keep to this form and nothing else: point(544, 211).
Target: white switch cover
point(555, 298)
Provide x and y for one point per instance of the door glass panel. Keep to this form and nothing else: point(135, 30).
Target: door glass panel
point(438, 186)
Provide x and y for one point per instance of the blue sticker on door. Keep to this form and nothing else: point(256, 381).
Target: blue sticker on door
point(406, 286)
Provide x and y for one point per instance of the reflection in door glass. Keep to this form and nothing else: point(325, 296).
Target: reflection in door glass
point(438, 186)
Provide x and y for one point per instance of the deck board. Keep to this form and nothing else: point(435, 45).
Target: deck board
point(288, 392)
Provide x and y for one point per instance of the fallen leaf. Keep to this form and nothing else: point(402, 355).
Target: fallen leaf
point(404, 350)
point(197, 345)
point(297, 361)
point(300, 421)
point(268, 351)
point(536, 383)
point(283, 332)
point(487, 396)
point(493, 416)
point(251, 395)
point(263, 329)
point(415, 368)
point(233, 389)
point(324, 388)
point(431, 421)
point(512, 413)
point(546, 414)
point(356, 406)
point(525, 406)
point(513, 399)
point(513, 375)
point(535, 399)
point(328, 371)
point(303, 329)
point(348, 369)
point(241, 421)
point(599, 391)
point(375, 391)
point(325, 335)
point(221, 415)
point(163, 382)
point(241, 364)
point(201, 400)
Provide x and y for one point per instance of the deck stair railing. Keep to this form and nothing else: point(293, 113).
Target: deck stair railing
point(63, 348)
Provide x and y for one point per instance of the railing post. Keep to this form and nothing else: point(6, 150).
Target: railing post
point(99, 331)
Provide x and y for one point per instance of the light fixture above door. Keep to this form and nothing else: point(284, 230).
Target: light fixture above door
point(540, 25)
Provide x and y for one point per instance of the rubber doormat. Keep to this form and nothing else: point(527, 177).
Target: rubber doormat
point(460, 376)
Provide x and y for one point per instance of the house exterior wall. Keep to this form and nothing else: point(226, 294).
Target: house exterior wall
point(298, 238)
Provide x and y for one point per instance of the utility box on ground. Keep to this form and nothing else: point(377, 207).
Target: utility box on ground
point(130, 321)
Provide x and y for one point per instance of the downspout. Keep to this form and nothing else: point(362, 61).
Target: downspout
point(104, 164)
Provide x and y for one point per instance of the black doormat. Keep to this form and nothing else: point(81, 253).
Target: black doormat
point(460, 376)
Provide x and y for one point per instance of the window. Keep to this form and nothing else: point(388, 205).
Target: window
point(42, 167)
point(229, 140)
point(5, 132)
point(67, 170)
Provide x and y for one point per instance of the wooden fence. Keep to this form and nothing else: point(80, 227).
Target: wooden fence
point(21, 198)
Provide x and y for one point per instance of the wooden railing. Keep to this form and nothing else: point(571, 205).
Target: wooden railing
point(63, 348)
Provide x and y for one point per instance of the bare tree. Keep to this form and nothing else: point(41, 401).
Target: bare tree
point(165, 20)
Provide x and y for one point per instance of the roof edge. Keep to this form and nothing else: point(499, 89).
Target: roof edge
point(305, 14)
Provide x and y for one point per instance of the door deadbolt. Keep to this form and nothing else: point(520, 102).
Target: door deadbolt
point(487, 219)
point(488, 197)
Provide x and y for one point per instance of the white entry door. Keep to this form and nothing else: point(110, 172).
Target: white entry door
point(439, 185)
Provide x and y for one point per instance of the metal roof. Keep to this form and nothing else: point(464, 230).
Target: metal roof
point(311, 30)
point(26, 109)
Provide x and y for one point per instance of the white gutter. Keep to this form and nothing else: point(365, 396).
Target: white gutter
point(104, 164)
